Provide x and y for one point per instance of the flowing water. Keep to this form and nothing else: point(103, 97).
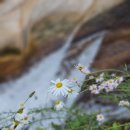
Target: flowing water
point(39, 76)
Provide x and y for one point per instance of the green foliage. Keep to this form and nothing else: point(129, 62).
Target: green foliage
point(81, 121)
point(77, 118)
point(115, 126)
point(39, 128)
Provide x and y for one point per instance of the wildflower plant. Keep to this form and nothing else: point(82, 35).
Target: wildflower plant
point(110, 84)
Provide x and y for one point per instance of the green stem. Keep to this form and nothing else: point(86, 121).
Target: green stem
point(118, 126)
point(106, 70)
point(83, 91)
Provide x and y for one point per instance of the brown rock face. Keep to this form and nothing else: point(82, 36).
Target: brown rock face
point(115, 49)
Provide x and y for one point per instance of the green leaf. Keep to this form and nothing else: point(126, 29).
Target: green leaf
point(116, 126)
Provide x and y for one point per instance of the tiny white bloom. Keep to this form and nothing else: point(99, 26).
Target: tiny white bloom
point(94, 89)
point(110, 82)
point(82, 69)
point(91, 77)
point(58, 105)
point(113, 74)
point(109, 85)
point(108, 89)
point(119, 79)
point(100, 118)
point(124, 103)
point(85, 70)
point(59, 87)
point(100, 78)
point(73, 92)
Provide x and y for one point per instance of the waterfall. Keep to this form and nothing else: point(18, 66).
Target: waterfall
point(38, 78)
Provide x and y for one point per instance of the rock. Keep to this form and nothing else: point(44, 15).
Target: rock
point(18, 16)
point(115, 50)
point(33, 29)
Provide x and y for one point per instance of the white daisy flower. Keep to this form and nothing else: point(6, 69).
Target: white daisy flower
point(59, 87)
point(100, 118)
point(124, 103)
point(82, 69)
point(59, 105)
point(109, 89)
point(109, 85)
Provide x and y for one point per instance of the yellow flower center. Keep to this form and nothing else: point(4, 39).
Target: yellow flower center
point(57, 102)
point(80, 67)
point(70, 90)
point(74, 78)
point(110, 81)
point(59, 85)
point(9, 129)
point(100, 117)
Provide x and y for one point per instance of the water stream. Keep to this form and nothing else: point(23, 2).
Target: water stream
point(39, 76)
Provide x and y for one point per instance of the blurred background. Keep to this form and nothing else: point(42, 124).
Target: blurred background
point(41, 40)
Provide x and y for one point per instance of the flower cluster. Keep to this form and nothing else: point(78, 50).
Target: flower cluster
point(100, 78)
point(66, 88)
point(107, 86)
point(21, 118)
point(124, 103)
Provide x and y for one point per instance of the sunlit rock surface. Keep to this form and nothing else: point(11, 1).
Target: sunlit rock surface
point(30, 30)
